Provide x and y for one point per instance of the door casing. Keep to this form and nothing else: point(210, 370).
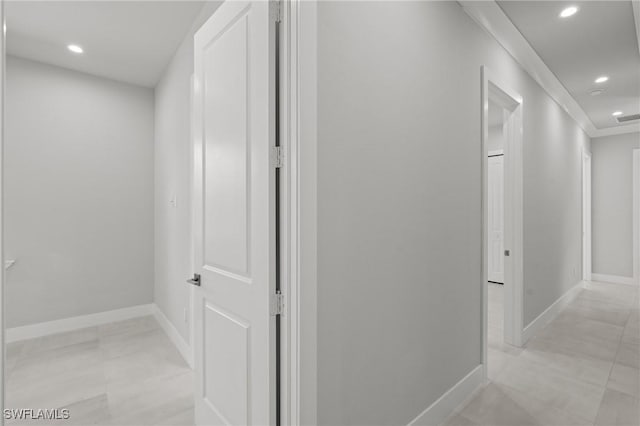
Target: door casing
point(500, 93)
point(586, 216)
point(298, 46)
point(636, 215)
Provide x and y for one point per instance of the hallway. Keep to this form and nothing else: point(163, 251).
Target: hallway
point(582, 369)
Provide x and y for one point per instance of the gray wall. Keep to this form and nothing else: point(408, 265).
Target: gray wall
point(399, 184)
point(79, 193)
point(612, 204)
point(496, 138)
point(173, 179)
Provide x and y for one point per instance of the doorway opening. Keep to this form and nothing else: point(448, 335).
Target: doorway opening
point(636, 215)
point(502, 195)
point(586, 216)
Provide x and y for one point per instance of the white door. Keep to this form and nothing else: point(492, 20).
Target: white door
point(234, 216)
point(495, 179)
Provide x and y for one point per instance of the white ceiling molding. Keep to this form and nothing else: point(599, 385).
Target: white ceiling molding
point(619, 130)
point(489, 16)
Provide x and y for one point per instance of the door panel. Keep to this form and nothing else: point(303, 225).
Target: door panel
point(227, 186)
point(495, 181)
point(226, 369)
point(234, 216)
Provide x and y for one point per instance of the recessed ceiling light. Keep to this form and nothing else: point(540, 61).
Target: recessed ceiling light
point(596, 92)
point(617, 113)
point(75, 48)
point(569, 11)
point(602, 79)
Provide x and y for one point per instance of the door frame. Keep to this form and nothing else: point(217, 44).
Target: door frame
point(494, 87)
point(636, 215)
point(298, 201)
point(2, 270)
point(586, 217)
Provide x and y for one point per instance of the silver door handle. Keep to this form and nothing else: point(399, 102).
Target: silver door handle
point(195, 280)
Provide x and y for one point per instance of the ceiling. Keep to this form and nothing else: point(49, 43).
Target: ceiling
point(600, 39)
point(129, 41)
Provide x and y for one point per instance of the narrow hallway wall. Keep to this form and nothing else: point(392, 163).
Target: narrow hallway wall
point(612, 204)
point(399, 206)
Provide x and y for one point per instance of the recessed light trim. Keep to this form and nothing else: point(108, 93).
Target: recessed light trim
point(617, 113)
point(75, 48)
point(596, 92)
point(569, 11)
point(601, 79)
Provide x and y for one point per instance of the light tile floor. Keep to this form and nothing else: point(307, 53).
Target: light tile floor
point(124, 373)
point(581, 369)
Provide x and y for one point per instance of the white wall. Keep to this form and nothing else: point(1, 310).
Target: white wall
point(496, 138)
point(173, 179)
point(78, 193)
point(612, 204)
point(399, 207)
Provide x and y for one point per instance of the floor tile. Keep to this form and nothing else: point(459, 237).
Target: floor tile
point(126, 373)
point(568, 344)
point(629, 354)
point(60, 340)
point(608, 313)
point(57, 360)
point(130, 326)
point(493, 406)
point(149, 402)
point(55, 390)
point(141, 366)
point(618, 409)
point(116, 345)
point(590, 370)
point(90, 411)
point(552, 388)
point(497, 362)
point(184, 418)
point(460, 420)
point(625, 379)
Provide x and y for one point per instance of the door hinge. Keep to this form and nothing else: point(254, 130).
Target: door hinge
point(277, 303)
point(277, 157)
point(275, 8)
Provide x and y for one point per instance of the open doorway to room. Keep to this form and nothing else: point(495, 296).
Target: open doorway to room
point(96, 322)
point(495, 226)
point(128, 173)
point(586, 217)
point(502, 277)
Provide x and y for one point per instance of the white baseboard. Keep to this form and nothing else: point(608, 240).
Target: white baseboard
point(551, 312)
point(75, 323)
point(183, 347)
point(460, 394)
point(616, 279)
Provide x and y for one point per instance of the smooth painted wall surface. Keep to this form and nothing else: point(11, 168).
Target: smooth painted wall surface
point(612, 204)
point(173, 174)
point(496, 138)
point(78, 193)
point(399, 204)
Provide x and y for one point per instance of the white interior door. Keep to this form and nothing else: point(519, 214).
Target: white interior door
point(495, 180)
point(234, 216)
